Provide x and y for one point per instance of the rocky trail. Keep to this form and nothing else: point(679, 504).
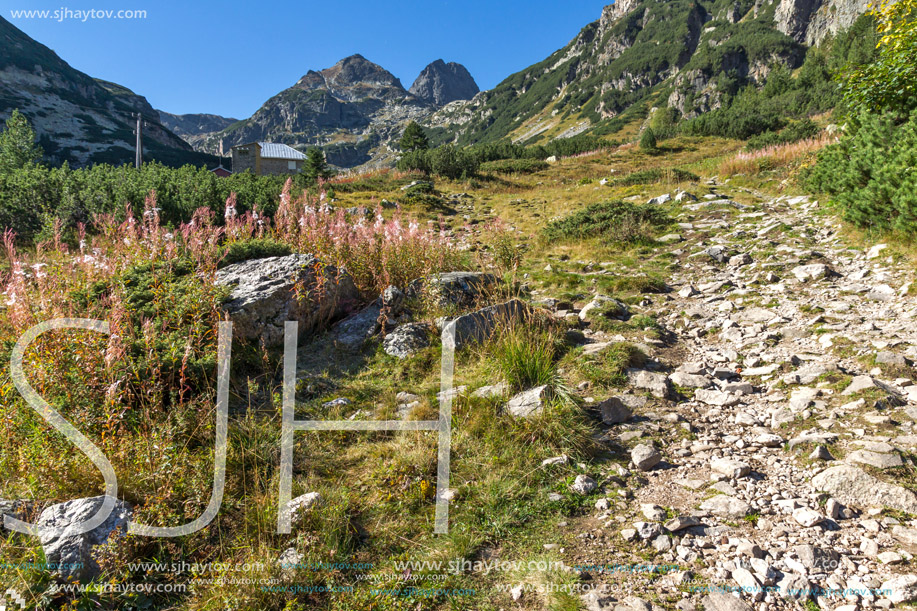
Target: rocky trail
point(771, 436)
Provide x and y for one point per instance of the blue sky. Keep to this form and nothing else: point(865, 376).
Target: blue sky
point(229, 57)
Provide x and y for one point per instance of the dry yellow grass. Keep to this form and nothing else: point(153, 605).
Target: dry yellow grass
point(774, 157)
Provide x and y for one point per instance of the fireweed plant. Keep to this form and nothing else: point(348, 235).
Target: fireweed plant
point(144, 392)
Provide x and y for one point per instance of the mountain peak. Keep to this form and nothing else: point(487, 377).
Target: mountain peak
point(351, 71)
point(440, 83)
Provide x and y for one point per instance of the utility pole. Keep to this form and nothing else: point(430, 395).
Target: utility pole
point(138, 158)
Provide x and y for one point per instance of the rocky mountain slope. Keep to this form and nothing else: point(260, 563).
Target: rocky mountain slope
point(77, 118)
point(678, 53)
point(195, 128)
point(354, 110)
point(441, 83)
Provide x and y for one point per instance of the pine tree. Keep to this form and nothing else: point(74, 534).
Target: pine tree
point(648, 140)
point(316, 167)
point(17, 144)
point(414, 138)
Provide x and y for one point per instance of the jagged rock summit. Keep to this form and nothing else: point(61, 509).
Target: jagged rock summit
point(441, 83)
point(353, 78)
point(350, 109)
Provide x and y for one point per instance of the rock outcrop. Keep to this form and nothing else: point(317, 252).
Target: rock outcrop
point(69, 550)
point(354, 96)
point(441, 83)
point(266, 293)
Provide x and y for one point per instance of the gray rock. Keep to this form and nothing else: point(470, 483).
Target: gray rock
point(903, 589)
point(454, 288)
point(527, 403)
point(69, 550)
point(875, 459)
point(717, 397)
point(718, 601)
point(794, 587)
point(891, 358)
point(853, 486)
point(730, 468)
point(14, 509)
point(681, 523)
point(302, 504)
point(726, 506)
point(353, 331)
point(609, 306)
point(815, 271)
point(684, 196)
point(740, 260)
point(656, 383)
point(645, 457)
point(689, 380)
point(720, 254)
point(817, 559)
point(406, 340)
point(662, 199)
point(489, 392)
point(265, 295)
point(583, 485)
point(614, 411)
point(479, 326)
point(908, 536)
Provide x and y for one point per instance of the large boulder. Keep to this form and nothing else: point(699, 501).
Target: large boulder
point(479, 326)
point(853, 486)
point(266, 293)
point(454, 288)
point(70, 551)
point(406, 340)
point(353, 331)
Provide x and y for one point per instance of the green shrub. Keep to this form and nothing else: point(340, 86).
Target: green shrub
point(794, 132)
point(615, 221)
point(448, 161)
point(34, 193)
point(258, 248)
point(180, 306)
point(514, 166)
point(654, 175)
point(648, 140)
point(870, 174)
point(422, 186)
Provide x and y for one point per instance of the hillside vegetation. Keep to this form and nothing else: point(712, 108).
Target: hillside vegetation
point(670, 342)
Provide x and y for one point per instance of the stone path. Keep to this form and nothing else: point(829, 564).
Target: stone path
point(784, 418)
